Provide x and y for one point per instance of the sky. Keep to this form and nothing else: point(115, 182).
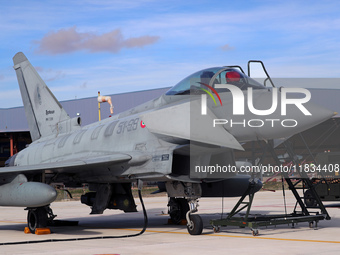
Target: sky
point(81, 47)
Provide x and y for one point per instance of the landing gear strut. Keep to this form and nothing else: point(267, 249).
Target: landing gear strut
point(194, 221)
point(181, 194)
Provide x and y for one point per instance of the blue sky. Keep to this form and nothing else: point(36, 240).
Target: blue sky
point(80, 47)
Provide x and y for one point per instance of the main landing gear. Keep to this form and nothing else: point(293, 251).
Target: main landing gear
point(39, 217)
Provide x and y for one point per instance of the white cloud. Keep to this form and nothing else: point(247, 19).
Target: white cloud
point(292, 38)
point(69, 40)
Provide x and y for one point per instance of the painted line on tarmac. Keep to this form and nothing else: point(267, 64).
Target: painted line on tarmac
point(9, 221)
point(234, 236)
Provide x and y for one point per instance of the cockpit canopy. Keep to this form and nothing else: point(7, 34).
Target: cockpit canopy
point(212, 76)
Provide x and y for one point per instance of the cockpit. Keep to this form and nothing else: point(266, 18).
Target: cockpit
point(194, 83)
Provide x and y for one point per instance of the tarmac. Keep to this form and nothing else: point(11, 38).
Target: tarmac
point(163, 238)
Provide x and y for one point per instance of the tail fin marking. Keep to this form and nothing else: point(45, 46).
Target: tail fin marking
point(42, 109)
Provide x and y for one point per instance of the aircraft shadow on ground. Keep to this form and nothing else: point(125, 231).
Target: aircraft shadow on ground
point(93, 225)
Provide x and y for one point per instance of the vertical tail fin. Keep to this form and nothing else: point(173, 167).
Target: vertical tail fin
point(43, 111)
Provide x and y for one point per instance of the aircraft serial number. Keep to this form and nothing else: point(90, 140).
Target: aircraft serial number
point(127, 126)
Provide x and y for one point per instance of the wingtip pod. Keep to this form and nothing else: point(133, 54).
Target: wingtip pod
point(19, 58)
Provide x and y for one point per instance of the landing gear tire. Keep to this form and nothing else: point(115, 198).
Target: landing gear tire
point(178, 207)
point(196, 225)
point(36, 218)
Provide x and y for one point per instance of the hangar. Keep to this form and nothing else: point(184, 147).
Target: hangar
point(323, 138)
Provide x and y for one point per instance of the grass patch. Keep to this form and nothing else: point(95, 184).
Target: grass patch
point(277, 185)
point(146, 192)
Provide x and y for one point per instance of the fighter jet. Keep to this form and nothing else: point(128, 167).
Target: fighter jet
point(184, 140)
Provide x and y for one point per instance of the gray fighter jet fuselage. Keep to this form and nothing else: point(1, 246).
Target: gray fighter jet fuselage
point(196, 124)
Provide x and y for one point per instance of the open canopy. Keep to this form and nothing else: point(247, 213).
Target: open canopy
point(212, 76)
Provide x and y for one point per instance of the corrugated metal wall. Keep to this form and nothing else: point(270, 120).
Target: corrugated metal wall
point(14, 119)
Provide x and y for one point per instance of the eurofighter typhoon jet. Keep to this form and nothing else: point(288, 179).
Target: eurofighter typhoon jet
point(184, 140)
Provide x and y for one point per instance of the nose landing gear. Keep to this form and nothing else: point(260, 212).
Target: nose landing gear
point(194, 221)
point(183, 203)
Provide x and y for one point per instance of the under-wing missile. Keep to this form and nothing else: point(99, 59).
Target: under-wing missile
point(26, 194)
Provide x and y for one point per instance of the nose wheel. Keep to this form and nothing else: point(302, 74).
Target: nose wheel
point(196, 225)
point(194, 221)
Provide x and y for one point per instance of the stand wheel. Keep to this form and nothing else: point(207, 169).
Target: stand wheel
point(216, 229)
point(196, 226)
point(255, 232)
point(311, 224)
point(36, 218)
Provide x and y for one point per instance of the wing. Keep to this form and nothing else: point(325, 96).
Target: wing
point(72, 166)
